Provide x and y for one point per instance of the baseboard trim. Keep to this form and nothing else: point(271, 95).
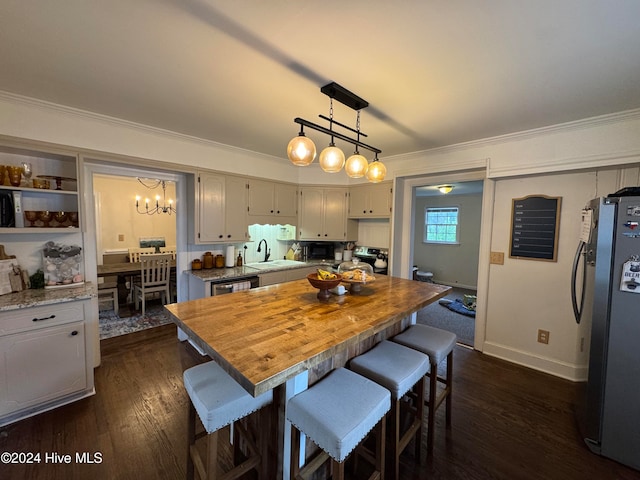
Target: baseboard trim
point(574, 373)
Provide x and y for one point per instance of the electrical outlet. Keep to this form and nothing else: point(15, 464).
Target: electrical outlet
point(543, 336)
point(496, 258)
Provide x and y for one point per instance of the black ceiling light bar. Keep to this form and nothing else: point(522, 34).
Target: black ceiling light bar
point(338, 135)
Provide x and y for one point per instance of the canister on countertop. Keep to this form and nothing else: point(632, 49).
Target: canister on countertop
point(207, 260)
point(219, 261)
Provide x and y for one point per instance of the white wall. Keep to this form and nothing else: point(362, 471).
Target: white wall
point(121, 225)
point(450, 264)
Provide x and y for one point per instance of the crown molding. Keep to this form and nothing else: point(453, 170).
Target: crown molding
point(582, 124)
point(118, 122)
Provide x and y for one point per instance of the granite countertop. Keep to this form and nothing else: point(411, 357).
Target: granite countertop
point(223, 274)
point(43, 296)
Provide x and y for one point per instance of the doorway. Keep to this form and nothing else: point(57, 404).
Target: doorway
point(403, 229)
point(116, 228)
point(446, 227)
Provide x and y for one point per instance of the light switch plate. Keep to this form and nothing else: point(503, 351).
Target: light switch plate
point(497, 258)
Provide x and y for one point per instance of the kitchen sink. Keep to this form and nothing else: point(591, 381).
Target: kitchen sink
point(274, 264)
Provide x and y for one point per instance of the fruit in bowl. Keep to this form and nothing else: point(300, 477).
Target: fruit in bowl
point(324, 281)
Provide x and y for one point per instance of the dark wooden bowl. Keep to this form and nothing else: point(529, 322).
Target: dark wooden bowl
point(323, 285)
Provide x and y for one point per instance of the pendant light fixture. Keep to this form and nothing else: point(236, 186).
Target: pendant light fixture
point(356, 165)
point(376, 171)
point(301, 150)
point(331, 158)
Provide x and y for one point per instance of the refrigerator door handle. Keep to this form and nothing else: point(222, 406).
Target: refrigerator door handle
point(577, 309)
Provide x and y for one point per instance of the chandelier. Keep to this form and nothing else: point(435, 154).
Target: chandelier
point(302, 151)
point(164, 208)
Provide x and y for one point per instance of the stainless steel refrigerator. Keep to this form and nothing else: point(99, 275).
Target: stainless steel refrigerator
point(607, 271)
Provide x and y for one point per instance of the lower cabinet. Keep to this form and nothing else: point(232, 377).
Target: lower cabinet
point(281, 276)
point(44, 363)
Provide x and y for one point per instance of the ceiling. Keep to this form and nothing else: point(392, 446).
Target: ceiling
point(238, 72)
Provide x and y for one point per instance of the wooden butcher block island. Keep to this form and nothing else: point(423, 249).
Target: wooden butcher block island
point(282, 337)
point(265, 336)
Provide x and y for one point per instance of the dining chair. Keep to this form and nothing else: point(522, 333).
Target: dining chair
point(134, 253)
point(169, 249)
point(173, 282)
point(154, 278)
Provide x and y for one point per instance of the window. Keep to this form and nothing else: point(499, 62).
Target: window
point(441, 225)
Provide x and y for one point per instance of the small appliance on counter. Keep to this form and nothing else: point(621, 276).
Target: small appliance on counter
point(378, 258)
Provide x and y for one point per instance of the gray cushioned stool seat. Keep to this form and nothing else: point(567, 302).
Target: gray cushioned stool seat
point(339, 411)
point(393, 366)
point(398, 369)
point(218, 398)
point(435, 342)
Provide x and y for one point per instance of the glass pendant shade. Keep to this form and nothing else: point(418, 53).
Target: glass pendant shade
point(376, 171)
point(331, 159)
point(301, 150)
point(356, 166)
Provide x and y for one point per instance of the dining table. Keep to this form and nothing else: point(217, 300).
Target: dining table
point(284, 338)
point(123, 269)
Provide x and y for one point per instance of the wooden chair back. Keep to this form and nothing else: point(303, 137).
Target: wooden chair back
point(170, 249)
point(134, 253)
point(154, 269)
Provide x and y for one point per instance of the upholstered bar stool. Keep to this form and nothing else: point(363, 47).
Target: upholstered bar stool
point(398, 369)
point(219, 401)
point(437, 344)
point(337, 413)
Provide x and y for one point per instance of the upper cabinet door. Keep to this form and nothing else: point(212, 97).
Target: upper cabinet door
point(286, 200)
point(270, 201)
point(210, 207)
point(311, 214)
point(370, 201)
point(222, 209)
point(335, 213)
point(236, 227)
point(261, 198)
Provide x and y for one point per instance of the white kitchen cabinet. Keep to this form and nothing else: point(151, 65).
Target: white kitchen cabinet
point(220, 209)
point(40, 210)
point(44, 358)
point(281, 276)
point(370, 200)
point(323, 215)
point(272, 202)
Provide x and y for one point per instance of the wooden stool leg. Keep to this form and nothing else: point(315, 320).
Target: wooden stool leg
point(420, 416)
point(433, 388)
point(395, 440)
point(338, 470)
point(295, 452)
point(449, 386)
point(191, 436)
point(381, 438)
point(212, 455)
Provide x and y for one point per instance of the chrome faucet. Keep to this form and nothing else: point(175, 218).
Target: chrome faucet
point(267, 252)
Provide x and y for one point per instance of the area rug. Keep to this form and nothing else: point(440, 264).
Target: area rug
point(438, 316)
point(111, 325)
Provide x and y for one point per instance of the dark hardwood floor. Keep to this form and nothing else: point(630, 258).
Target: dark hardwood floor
point(509, 422)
